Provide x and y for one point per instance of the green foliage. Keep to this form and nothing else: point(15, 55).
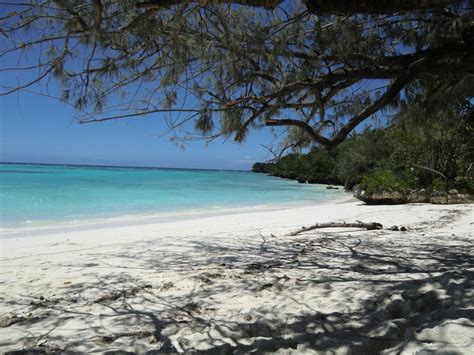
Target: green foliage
point(262, 167)
point(362, 153)
point(382, 181)
point(439, 185)
point(434, 153)
point(204, 123)
point(318, 166)
point(464, 183)
point(230, 68)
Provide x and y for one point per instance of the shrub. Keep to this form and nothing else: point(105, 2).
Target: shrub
point(262, 167)
point(382, 181)
point(439, 185)
point(464, 184)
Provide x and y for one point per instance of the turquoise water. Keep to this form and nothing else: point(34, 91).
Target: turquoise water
point(39, 193)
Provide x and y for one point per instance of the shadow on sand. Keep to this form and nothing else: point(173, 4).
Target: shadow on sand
point(330, 292)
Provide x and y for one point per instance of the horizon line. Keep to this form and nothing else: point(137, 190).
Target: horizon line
point(120, 166)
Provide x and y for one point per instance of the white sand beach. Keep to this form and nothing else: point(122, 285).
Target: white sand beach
point(239, 283)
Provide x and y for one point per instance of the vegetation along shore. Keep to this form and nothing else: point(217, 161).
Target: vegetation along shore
point(411, 160)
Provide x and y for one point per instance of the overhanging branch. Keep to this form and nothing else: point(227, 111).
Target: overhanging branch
point(348, 7)
point(319, 7)
point(384, 100)
point(154, 4)
point(303, 125)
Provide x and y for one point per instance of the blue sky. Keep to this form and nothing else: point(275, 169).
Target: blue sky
point(43, 130)
point(40, 129)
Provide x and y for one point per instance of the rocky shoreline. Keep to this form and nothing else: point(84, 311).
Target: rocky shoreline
point(453, 196)
point(413, 196)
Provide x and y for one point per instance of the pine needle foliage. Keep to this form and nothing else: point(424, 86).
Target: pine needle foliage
point(322, 67)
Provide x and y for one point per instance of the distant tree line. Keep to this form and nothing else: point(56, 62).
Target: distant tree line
point(435, 153)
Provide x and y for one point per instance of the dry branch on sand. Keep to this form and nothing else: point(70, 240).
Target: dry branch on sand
point(368, 226)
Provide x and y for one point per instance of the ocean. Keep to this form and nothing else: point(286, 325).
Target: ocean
point(33, 194)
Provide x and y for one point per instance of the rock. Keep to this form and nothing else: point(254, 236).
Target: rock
point(265, 286)
point(7, 321)
point(398, 229)
point(247, 317)
point(167, 286)
point(461, 198)
point(453, 197)
point(413, 196)
point(91, 264)
point(381, 198)
point(302, 180)
point(418, 196)
point(206, 280)
point(439, 198)
point(330, 187)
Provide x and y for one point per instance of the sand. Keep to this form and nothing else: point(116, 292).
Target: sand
point(238, 283)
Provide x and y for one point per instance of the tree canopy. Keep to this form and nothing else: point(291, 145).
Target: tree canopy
point(319, 67)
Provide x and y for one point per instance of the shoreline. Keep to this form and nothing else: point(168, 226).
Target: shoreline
point(66, 225)
point(239, 282)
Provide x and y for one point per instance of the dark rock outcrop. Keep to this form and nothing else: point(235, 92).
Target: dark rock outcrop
point(414, 196)
point(381, 198)
point(452, 197)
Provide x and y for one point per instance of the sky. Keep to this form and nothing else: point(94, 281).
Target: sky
point(39, 129)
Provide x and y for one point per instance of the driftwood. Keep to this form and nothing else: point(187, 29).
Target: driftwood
point(368, 226)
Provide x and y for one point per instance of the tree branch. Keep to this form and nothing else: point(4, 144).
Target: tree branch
point(266, 4)
point(303, 125)
point(383, 101)
point(348, 7)
point(98, 13)
point(319, 7)
point(241, 133)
